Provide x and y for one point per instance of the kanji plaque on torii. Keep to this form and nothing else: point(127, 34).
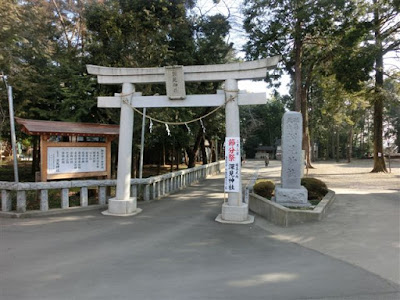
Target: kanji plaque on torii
point(233, 211)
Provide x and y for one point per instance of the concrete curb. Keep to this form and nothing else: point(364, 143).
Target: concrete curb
point(283, 216)
point(51, 212)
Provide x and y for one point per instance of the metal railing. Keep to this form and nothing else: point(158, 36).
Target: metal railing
point(146, 189)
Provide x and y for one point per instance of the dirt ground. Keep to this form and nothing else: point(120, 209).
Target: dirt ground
point(356, 174)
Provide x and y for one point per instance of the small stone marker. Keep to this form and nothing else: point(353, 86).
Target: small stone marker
point(291, 193)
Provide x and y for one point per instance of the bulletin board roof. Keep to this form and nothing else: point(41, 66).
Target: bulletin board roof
point(40, 127)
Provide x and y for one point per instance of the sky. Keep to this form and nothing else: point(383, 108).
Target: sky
point(238, 37)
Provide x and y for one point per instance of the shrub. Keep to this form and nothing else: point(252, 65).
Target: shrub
point(264, 188)
point(316, 188)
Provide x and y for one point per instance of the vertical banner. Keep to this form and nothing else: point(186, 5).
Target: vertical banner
point(232, 164)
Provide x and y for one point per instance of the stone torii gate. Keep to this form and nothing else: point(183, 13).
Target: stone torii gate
point(233, 211)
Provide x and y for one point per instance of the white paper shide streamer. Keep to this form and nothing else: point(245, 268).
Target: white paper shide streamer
point(202, 126)
point(188, 129)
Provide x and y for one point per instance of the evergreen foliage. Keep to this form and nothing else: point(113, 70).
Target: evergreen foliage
point(330, 48)
point(264, 188)
point(316, 188)
point(261, 124)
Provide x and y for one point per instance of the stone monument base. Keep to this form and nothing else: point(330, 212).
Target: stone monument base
point(122, 208)
point(292, 197)
point(235, 214)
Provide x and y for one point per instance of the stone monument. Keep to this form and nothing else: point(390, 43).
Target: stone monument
point(291, 193)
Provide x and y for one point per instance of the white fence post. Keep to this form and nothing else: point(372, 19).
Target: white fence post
point(64, 198)
point(102, 195)
point(146, 192)
point(84, 196)
point(6, 200)
point(44, 200)
point(21, 201)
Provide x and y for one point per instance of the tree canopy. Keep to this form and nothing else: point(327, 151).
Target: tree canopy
point(321, 39)
point(333, 50)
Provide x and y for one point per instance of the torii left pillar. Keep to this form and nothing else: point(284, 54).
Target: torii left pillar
point(123, 204)
point(234, 210)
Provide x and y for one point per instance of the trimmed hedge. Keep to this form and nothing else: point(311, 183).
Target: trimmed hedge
point(316, 188)
point(265, 188)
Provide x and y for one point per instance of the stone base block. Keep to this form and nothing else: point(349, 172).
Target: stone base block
point(122, 207)
point(283, 216)
point(234, 214)
point(292, 197)
point(250, 220)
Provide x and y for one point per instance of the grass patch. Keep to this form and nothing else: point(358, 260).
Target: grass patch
point(24, 171)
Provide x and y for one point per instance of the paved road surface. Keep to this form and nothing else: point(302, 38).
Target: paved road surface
point(175, 250)
point(363, 226)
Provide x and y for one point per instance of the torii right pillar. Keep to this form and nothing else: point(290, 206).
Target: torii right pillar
point(234, 211)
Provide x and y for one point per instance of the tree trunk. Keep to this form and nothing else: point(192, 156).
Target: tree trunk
point(326, 152)
point(219, 147)
point(163, 154)
point(362, 140)
point(398, 142)
point(191, 157)
point(368, 134)
point(35, 156)
point(178, 158)
point(350, 145)
point(333, 142)
point(306, 146)
point(192, 152)
point(203, 151)
point(134, 165)
point(213, 147)
point(172, 159)
point(379, 161)
point(298, 45)
point(337, 145)
point(160, 158)
point(186, 158)
point(114, 160)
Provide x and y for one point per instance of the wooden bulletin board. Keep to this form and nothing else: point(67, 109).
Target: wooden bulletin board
point(63, 160)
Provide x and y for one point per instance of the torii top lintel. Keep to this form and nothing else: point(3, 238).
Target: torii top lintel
point(199, 73)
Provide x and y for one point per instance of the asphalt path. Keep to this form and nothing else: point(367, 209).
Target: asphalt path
point(362, 227)
point(174, 249)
